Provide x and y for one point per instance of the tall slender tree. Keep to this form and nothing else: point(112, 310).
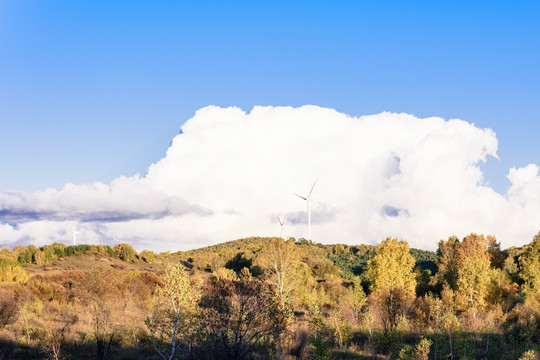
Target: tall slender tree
point(282, 263)
point(171, 319)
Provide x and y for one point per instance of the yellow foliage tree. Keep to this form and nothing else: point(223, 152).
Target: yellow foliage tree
point(465, 268)
point(10, 271)
point(392, 267)
point(282, 262)
point(171, 320)
point(393, 282)
point(474, 274)
point(448, 261)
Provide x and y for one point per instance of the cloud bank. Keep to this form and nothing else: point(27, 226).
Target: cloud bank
point(229, 173)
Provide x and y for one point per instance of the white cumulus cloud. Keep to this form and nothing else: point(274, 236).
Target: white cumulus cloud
point(229, 173)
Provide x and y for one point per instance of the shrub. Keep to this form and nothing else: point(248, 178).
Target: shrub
point(8, 308)
point(10, 271)
point(530, 355)
point(147, 256)
point(124, 252)
point(25, 253)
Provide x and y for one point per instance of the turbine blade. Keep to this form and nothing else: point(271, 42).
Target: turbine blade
point(280, 222)
point(301, 197)
point(312, 188)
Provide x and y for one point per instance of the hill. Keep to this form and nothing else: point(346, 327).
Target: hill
point(299, 298)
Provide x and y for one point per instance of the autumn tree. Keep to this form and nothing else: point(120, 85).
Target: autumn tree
point(356, 299)
point(282, 263)
point(147, 256)
point(474, 275)
point(530, 355)
point(57, 334)
point(105, 300)
point(447, 261)
point(171, 321)
point(393, 282)
point(124, 252)
point(238, 317)
point(337, 324)
point(9, 307)
point(530, 263)
point(419, 352)
point(496, 256)
point(435, 313)
point(466, 268)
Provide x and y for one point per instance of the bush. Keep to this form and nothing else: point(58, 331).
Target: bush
point(25, 253)
point(8, 308)
point(239, 262)
point(124, 252)
point(10, 271)
point(147, 256)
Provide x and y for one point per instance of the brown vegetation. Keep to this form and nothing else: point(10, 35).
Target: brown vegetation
point(265, 298)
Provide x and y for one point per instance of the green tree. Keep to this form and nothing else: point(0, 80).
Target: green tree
point(530, 262)
point(25, 253)
point(451, 325)
point(356, 299)
point(419, 352)
point(239, 262)
point(320, 349)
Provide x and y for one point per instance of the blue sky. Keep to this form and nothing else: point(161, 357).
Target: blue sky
point(90, 91)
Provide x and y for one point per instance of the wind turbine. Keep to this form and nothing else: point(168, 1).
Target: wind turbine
point(282, 223)
point(75, 232)
point(308, 200)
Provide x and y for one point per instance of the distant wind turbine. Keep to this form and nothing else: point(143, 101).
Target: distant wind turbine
point(282, 223)
point(308, 200)
point(75, 232)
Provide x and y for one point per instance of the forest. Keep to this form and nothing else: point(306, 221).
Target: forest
point(270, 298)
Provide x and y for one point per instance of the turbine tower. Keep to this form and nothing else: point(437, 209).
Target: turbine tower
point(75, 232)
point(282, 224)
point(308, 200)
